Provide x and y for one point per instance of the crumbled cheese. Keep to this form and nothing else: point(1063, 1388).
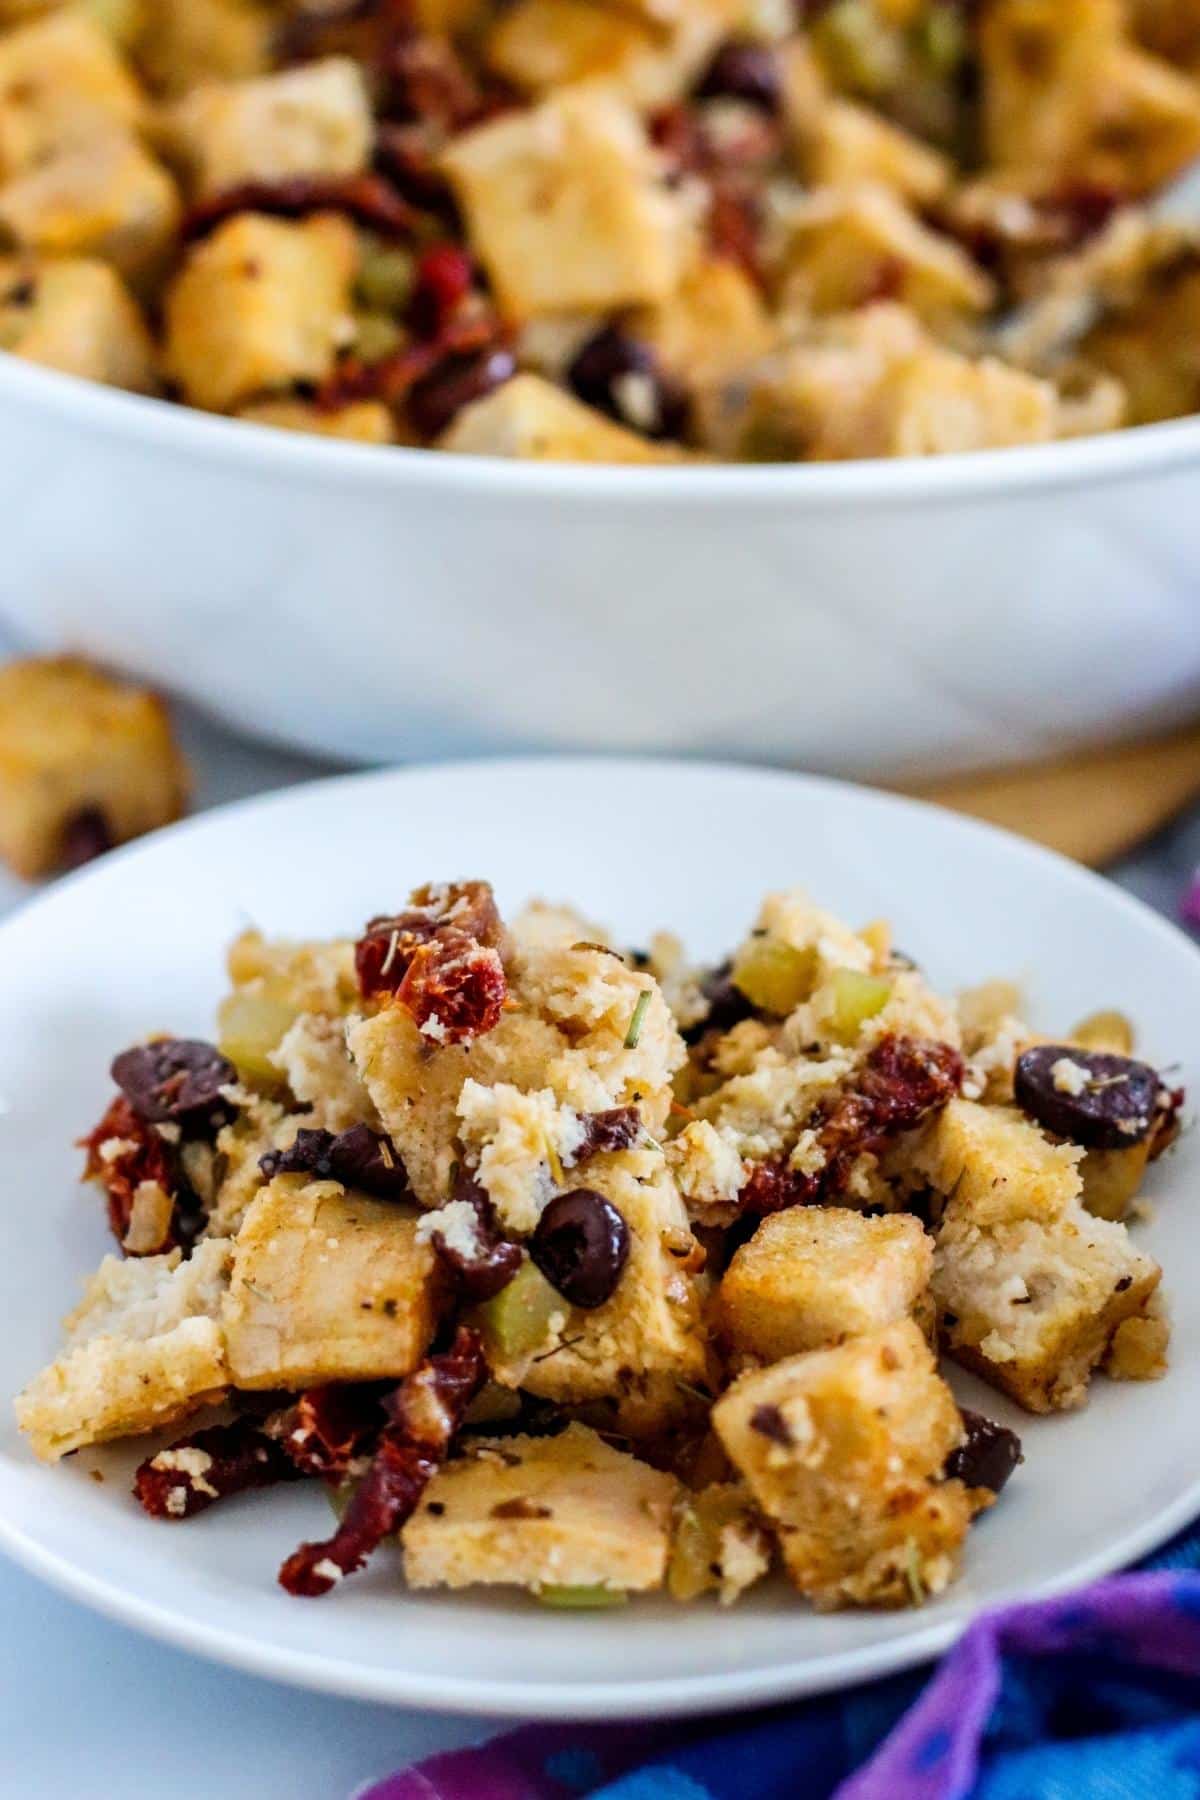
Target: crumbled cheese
point(808, 1157)
point(433, 1028)
point(637, 400)
point(114, 1148)
point(189, 1460)
point(169, 1132)
point(1069, 1077)
point(457, 1224)
point(328, 1570)
point(706, 1165)
point(176, 1502)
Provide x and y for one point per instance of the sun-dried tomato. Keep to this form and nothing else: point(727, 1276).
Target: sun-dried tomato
point(424, 1412)
point(735, 226)
point(196, 1471)
point(135, 1153)
point(368, 199)
point(618, 1128)
point(454, 989)
point(328, 1427)
point(407, 155)
point(445, 276)
point(903, 1081)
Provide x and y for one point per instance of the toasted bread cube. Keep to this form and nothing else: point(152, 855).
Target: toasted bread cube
point(144, 1347)
point(1067, 97)
point(259, 305)
point(107, 198)
point(540, 45)
point(859, 244)
point(186, 42)
point(360, 422)
point(848, 145)
point(843, 1450)
point(314, 120)
point(1138, 1351)
point(636, 1349)
point(564, 1040)
point(61, 83)
point(531, 418)
point(713, 322)
point(76, 316)
point(1033, 1305)
point(327, 1286)
point(567, 208)
point(75, 746)
point(996, 1165)
point(534, 1512)
point(812, 1276)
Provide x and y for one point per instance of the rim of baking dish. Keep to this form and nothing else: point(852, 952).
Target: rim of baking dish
point(1138, 450)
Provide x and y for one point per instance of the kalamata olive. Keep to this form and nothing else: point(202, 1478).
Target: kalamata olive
point(615, 1129)
point(581, 1245)
point(435, 400)
point(1102, 1101)
point(358, 1158)
point(743, 71)
point(177, 1079)
point(989, 1455)
point(493, 1261)
point(622, 377)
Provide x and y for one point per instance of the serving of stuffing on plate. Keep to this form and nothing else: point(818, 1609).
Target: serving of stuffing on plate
point(584, 1270)
point(621, 231)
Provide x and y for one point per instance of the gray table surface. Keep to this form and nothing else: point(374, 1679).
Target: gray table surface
point(89, 1708)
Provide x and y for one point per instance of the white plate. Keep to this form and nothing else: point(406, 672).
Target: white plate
point(136, 945)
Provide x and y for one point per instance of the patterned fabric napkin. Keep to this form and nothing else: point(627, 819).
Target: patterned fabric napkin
point(1092, 1697)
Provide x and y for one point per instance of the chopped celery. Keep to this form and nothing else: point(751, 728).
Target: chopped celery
point(856, 998)
point(250, 1023)
point(774, 975)
point(581, 1599)
point(517, 1320)
point(385, 279)
point(376, 336)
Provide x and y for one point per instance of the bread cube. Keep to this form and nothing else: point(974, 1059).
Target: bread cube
point(812, 1276)
point(144, 1348)
point(565, 1035)
point(847, 145)
point(720, 1544)
point(567, 207)
point(713, 322)
point(76, 316)
point(259, 305)
point(186, 42)
point(1112, 1178)
point(997, 1165)
point(1069, 99)
point(107, 199)
point(1138, 1351)
point(535, 1512)
point(531, 418)
point(312, 120)
point(854, 245)
point(82, 757)
point(1033, 1304)
point(843, 1450)
point(361, 422)
point(636, 1349)
point(327, 1286)
point(61, 83)
point(313, 1060)
point(540, 45)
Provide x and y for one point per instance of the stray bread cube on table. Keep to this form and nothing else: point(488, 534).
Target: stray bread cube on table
point(86, 762)
point(814, 1275)
point(144, 1348)
point(76, 315)
point(259, 305)
point(567, 207)
point(543, 1512)
point(843, 1450)
point(1034, 1304)
point(327, 1286)
point(312, 120)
